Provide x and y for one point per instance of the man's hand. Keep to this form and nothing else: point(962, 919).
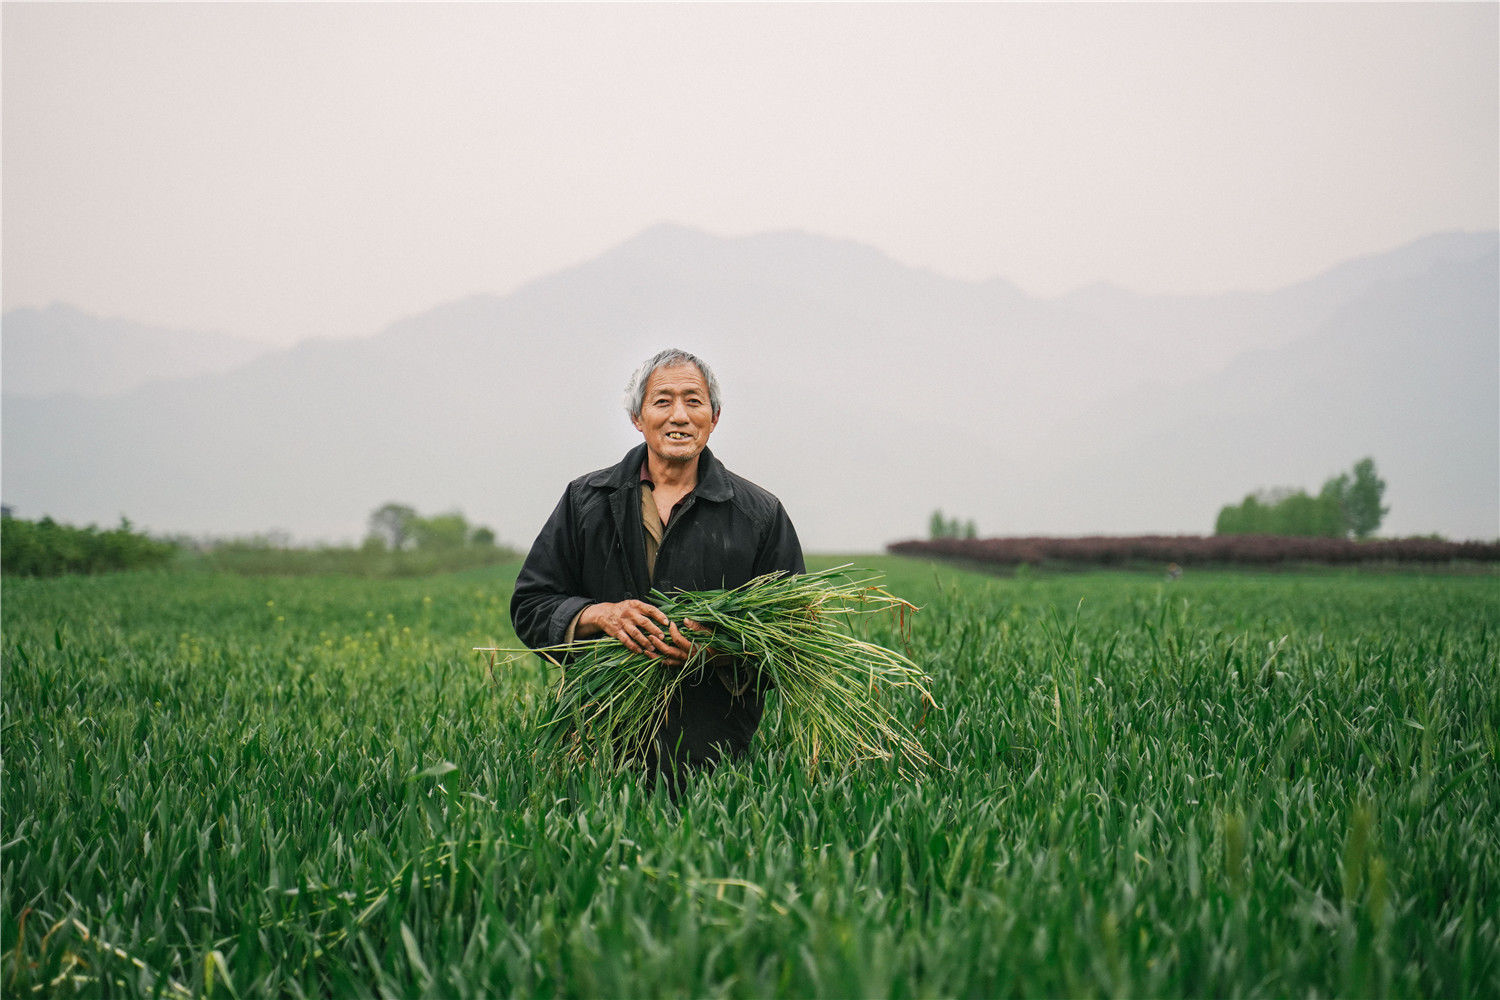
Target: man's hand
point(640, 627)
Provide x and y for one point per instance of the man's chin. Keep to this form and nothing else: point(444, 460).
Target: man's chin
point(678, 454)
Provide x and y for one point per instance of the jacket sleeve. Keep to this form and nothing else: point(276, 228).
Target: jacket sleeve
point(548, 594)
point(780, 549)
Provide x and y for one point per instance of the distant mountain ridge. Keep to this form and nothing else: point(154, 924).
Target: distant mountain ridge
point(61, 349)
point(1408, 372)
point(863, 392)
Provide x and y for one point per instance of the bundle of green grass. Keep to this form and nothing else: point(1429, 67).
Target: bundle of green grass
point(839, 693)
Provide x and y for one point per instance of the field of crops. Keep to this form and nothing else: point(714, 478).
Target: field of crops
point(1247, 785)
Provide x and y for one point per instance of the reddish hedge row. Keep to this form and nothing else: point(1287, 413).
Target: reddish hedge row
point(1198, 550)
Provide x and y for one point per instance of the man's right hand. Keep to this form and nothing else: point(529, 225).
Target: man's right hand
point(640, 627)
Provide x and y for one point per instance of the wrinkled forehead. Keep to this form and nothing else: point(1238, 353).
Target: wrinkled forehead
point(677, 379)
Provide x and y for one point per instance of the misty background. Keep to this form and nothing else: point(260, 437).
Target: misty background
point(1057, 269)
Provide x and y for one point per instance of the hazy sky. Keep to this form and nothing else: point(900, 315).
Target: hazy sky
point(279, 170)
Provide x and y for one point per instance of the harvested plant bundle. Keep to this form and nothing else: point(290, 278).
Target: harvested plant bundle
point(836, 690)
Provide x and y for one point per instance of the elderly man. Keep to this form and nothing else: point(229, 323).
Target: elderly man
point(667, 517)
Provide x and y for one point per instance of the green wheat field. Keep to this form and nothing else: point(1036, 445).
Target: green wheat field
point(1247, 785)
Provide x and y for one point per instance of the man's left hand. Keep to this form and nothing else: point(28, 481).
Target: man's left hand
point(681, 648)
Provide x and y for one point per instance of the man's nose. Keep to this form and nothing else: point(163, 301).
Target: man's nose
point(679, 413)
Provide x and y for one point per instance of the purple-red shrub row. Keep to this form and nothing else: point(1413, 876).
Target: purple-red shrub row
point(1198, 550)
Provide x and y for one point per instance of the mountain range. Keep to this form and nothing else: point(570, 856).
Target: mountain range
point(862, 391)
point(61, 350)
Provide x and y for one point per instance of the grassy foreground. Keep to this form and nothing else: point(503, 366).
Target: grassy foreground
point(1227, 785)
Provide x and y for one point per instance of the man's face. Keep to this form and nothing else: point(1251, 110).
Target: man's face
point(676, 417)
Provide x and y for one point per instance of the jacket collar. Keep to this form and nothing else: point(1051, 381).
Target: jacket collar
point(713, 481)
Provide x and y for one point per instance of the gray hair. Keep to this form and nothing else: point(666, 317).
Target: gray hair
point(635, 389)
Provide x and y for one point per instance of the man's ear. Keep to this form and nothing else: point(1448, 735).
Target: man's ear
point(715, 424)
point(635, 418)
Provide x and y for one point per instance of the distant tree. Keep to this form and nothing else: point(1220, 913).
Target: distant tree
point(1252, 517)
point(1346, 504)
point(440, 532)
point(400, 528)
point(939, 526)
point(1334, 500)
point(394, 525)
point(1229, 521)
point(1281, 511)
point(1362, 499)
point(1299, 514)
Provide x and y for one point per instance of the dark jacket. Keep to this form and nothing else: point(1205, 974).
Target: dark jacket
point(725, 533)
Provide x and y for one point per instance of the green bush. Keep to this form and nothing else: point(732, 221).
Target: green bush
point(46, 548)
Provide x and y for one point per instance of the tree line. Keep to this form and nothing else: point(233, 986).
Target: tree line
point(1347, 506)
point(941, 526)
point(47, 548)
point(399, 542)
point(399, 528)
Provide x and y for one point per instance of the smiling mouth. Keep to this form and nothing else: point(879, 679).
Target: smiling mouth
point(678, 436)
